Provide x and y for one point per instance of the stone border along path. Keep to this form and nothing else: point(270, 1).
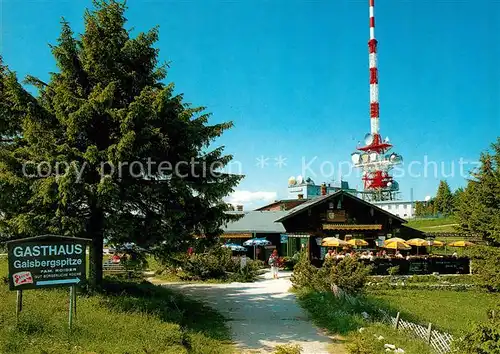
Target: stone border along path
point(261, 315)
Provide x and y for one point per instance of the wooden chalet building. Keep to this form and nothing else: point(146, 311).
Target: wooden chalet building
point(340, 214)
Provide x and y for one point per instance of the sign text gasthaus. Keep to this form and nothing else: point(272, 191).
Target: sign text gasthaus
point(46, 261)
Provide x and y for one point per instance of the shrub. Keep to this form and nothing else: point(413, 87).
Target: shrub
point(289, 263)
point(484, 262)
point(210, 265)
point(288, 349)
point(215, 264)
point(246, 274)
point(170, 263)
point(304, 273)
point(360, 344)
point(347, 274)
point(322, 280)
point(258, 264)
point(483, 338)
point(393, 270)
point(350, 275)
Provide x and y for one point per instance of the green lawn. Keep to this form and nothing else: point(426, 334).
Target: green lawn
point(451, 311)
point(446, 224)
point(129, 317)
point(340, 317)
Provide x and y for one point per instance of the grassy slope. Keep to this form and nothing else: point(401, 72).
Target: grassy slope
point(338, 317)
point(446, 224)
point(448, 310)
point(451, 311)
point(129, 318)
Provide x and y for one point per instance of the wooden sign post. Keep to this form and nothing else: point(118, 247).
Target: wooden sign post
point(19, 305)
point(47, 261)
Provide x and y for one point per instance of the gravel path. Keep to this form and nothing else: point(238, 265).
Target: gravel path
point(262, 314)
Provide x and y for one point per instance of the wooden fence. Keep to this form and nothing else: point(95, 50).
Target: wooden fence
point(443, 235)
point(439, 341)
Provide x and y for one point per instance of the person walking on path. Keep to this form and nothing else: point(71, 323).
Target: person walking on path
point(273, 262)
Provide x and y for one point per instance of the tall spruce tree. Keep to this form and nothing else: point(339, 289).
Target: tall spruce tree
point(443, 203)
point(425, 208)
point(457, 195)
point(478, 208)
point(107, 150)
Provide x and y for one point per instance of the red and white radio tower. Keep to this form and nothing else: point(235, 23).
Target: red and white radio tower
point(373, 158)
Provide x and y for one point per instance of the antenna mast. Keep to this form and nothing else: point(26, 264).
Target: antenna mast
point(372, 58)
point(373, 159)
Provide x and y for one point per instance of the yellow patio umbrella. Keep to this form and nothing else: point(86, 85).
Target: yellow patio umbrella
point(357, 242)
point(419, 242)
point(333, 242)
point(461, 244)
point(394, 239)
point(435, 243)
point(397, 245)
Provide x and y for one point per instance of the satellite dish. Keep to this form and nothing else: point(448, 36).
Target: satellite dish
point(355, 157)
point(373, 156)
point(368, 139)
point(427, 198)
point(396, 158)
point(291, 181)
point(300, 180)
point(389, 184)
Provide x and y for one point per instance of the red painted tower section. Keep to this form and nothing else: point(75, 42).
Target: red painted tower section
point(373, 158)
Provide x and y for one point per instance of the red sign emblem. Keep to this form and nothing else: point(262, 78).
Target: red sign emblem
point(22, 278)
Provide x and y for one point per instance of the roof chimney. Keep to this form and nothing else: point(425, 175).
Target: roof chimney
point(323, 189)
point(239, 208)
point(300, 196)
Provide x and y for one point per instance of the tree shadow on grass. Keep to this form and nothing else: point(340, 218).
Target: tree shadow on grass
point(166, 304)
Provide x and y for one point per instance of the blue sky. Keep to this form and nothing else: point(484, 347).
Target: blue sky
point(293, 77)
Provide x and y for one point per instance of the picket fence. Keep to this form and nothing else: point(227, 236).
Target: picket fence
point(439, 341)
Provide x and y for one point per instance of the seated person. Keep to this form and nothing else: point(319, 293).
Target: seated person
point(329, 254)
